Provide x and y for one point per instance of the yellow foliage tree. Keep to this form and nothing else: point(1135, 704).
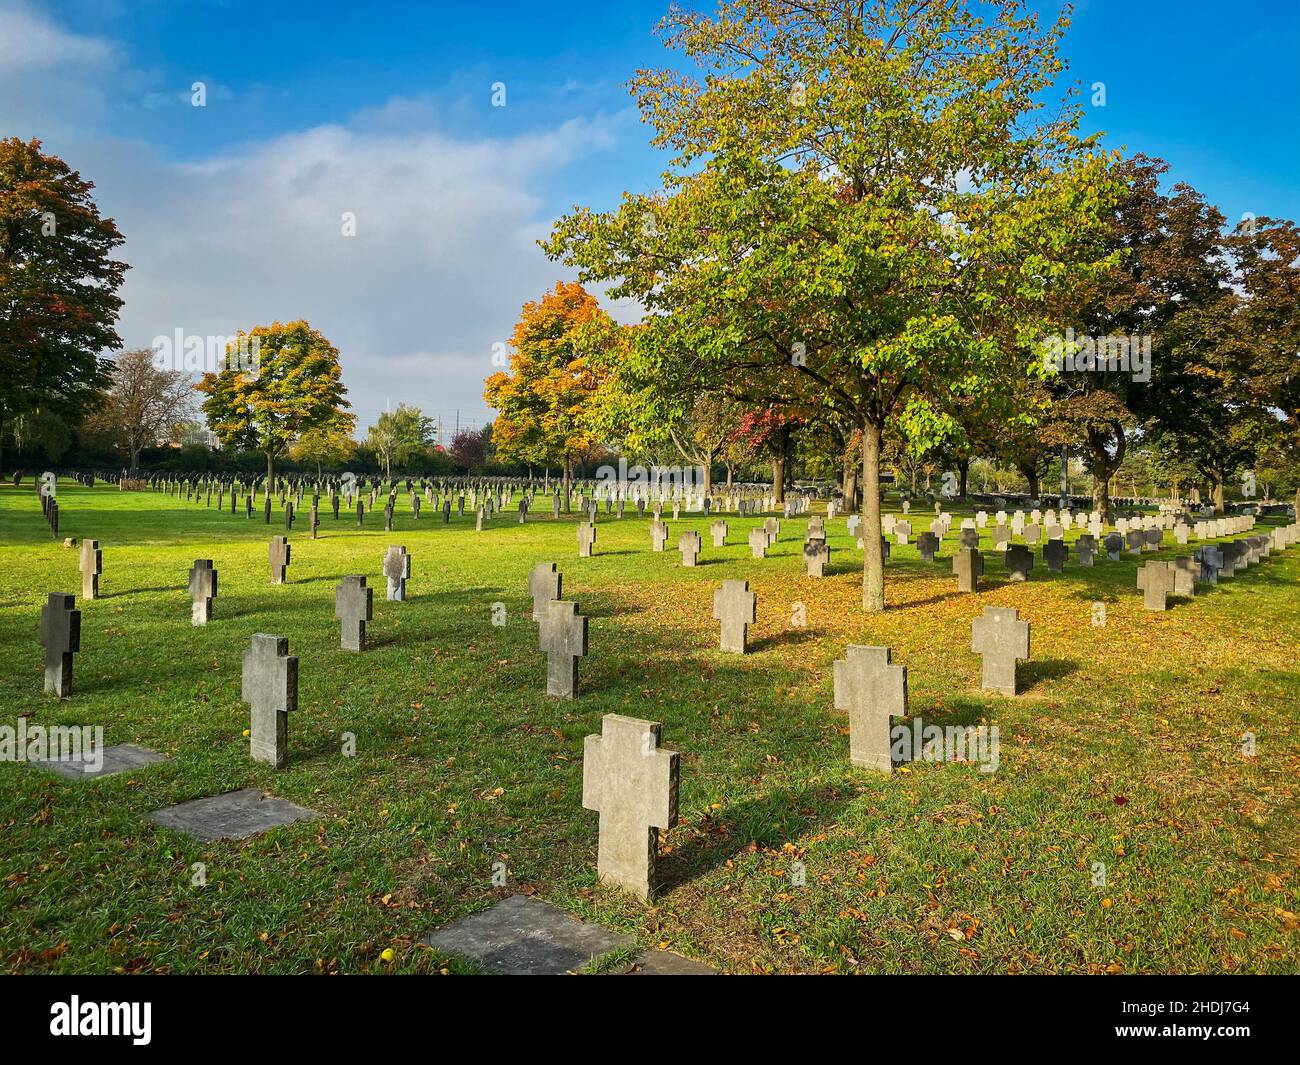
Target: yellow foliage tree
point(545, 401)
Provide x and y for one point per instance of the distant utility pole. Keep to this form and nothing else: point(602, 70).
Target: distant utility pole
point(457, 425)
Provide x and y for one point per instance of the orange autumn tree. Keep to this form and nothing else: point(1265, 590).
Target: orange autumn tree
point(545, 401)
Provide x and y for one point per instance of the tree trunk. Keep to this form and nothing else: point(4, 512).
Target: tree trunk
point(730, 472)
point(873, 562)
point(1101, 496)
point(708, 472)
point(963, 477)
point(849, 488)
point(778, 478)
point(270, 472)
point(1219, 504)
point(568, 477)
point(135, 460)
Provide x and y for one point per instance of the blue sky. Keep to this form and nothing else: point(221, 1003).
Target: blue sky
point(232, 211)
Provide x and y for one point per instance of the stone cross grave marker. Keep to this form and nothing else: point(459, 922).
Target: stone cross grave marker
point(203, 589)
point(1001, 638)
point(632, 783)
point(816, 556)
point(1054, 554)
point(92, 565)
point(772, 526)
point(902, 530)
point(1211, 561)
point(872, 691)
point(397, 568)
point(968, 567)
point(279, 556)
point(758, 541)
point(1085, 549)
point(927, 544)
point(586, 538)
point(736, 607)
point(270, 687)
point(1019, 561)
point(563, 637)
point(1186, 570)
point(658, 535)
point(544, 583)
point(1156, 581)
point(61, 638)
point(718, 530)
point(1114, 544)
point(354, 605)
point(689, 546)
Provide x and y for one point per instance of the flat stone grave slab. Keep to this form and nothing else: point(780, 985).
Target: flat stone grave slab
point(524, 936)
point(233, 815)
point(116, 759)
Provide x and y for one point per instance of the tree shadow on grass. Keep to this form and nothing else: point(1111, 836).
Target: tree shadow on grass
point(1034, 672)
point(784, 638)
point(769, 822)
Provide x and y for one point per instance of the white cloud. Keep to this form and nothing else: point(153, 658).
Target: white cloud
point(443, 258)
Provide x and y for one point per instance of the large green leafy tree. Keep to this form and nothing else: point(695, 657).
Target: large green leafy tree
point(867, 211)
point(1168, 270)
point(397, 435)
point(58, 286)
point(294, 387)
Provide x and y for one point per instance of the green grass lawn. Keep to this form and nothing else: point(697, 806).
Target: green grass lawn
point(1123, 748)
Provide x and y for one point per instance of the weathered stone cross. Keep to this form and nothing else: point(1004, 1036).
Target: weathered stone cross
point(816, 555)
point(279, 555)
point(92, 565)
point(1156, 580)
point(872, 691)
point(736, 607)
point(203, 589)
point(586, 538)
point(632, 784)
point(1001, 638)
point(968, 565)
point(270, 687)
point(658, 535)
point(397, 568)
point(544, 582)
point(719, 531)
point(689, 545)
point(61, 638)
point(353, 606)
point(563, 638)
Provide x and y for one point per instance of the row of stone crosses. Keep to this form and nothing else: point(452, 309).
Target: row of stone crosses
point(627, 778)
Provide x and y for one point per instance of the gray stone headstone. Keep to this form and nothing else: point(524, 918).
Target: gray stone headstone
point(689, 546)
point(92, 565)
point(586, 538)
point(234, 815)
point(353, 606)
point(544, 582)
point(61, 638)
point(279, 555)
point(1002, 639)
point(872, 691)
point(632, 783)
point(203, 589)
point(1085, 549)
point(816, 556)
point(1019, 561)
point(718, 530)
point(1114, 544)
point(1055, 554)
point(968, 567)
point(270, 687)
point(1156, 581)
point(563, 639)
point(397, 569)
point(736, 607)
point(928, 545)
point(658, 535)
point(758, 541)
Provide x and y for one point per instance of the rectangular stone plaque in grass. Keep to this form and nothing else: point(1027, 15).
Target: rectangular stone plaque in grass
point(116, 759)
point(233, 815)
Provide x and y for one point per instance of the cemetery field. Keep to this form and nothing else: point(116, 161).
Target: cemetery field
point(1125, 748)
